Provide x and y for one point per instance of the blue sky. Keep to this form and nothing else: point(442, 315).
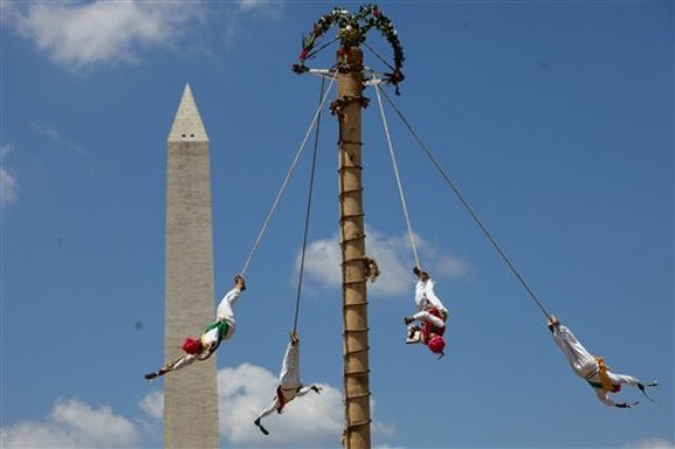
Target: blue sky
point(554, 118)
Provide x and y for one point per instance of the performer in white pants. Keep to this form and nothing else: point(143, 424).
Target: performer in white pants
point(593, 369)
point(432, 315)
point(213, 335)
point(290, 386)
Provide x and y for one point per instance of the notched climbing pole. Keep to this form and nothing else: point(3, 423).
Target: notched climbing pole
point(352, 242)
point(356, 267)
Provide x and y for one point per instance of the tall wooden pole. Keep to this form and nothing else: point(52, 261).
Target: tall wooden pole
point(352, 241)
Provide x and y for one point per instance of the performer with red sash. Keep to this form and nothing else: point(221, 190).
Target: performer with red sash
point(290, 386)
point(432, 315)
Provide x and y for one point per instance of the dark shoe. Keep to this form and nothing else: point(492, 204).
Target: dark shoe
point(262, 429)
point(151, 376)
point(407, 320)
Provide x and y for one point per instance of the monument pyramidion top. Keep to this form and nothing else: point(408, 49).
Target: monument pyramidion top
point(187, 124)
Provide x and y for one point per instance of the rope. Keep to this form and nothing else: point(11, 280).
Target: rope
point(467, 206)
point(309, 209)
point(315, 52)
point(398, 179)
point(285, 183)
point(377, 55)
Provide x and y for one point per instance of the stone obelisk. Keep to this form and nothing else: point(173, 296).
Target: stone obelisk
point(190, 395)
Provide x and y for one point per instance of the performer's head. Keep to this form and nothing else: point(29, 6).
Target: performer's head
point(436, 345)
point(192, 346)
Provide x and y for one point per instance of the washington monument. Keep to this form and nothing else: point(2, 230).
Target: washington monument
point(191, 398)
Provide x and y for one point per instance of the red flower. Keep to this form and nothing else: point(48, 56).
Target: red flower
point(377, 13)
point(303, 54)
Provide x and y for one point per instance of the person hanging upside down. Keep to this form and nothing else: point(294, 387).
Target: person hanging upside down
point(432, 315)
point(203, 347)
point(290, 386)
point(593, 369)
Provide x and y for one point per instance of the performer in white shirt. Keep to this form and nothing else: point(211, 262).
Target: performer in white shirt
point(213, 335)
point(593, 369)
point(432, 315)
point(290, 386)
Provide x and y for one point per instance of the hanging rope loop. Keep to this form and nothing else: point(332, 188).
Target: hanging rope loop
point(286, 179)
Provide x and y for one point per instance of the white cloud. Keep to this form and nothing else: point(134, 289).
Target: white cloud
point(247, 5)
point(9, 186)
point(73, 423)
point(78, 35)
point(236, 22)
point(5, 150)
point(263, 7)
point(153, 404)
point(393, 256)
point(311, 421)
point(653, 443)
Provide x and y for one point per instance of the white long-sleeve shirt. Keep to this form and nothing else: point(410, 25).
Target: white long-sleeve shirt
point(425, 296)
point(226, 307)
point(585, 364)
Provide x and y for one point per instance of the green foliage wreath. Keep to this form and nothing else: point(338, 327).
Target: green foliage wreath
point(352, 30)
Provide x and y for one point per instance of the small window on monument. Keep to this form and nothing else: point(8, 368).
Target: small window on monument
point(183, 135)
point(192, 135)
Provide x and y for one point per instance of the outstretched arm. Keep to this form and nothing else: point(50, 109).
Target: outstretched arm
point(173, 365)
point(632, 381)
point(602, 395)
point(177, 364)
point(624, 379)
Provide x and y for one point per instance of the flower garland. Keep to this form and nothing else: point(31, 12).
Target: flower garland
point(352, 32)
